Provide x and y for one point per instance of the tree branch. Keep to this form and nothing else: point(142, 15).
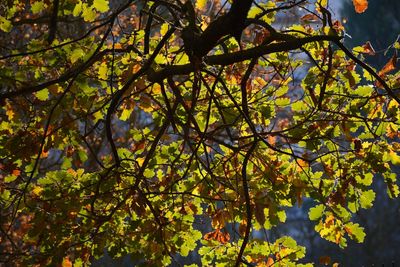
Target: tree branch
point(239, 56)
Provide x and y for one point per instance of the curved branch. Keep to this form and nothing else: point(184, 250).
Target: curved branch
point(239, 56)
point(247, 199)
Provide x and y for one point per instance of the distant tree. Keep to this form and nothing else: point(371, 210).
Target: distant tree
point(166, 130)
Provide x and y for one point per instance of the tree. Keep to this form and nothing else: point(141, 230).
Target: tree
point(170, 129)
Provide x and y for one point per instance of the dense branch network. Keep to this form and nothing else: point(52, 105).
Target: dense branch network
point(166, 115)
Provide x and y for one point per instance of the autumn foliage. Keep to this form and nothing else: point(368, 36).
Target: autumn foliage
point(170, 130)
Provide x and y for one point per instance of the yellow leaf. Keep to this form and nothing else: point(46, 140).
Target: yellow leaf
point(140, 161)
point(164, 29)
point(77, 9)
point(88, 13)
point(102, 72)
point(37, 190)
point(201, 4)
point(156, 89)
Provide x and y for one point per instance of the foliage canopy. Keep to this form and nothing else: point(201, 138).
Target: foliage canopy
point(163, 129)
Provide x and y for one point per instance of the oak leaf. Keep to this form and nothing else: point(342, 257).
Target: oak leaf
point(390, 65)
point(360, 5)
point(368, 49)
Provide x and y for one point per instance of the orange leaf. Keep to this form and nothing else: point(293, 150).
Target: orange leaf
point(66, 262)
point(16, 172)
point(338, 237)
point(360, 5)
point(223, 237)
point(368, 49)
point(211, 235)
point(390, 65)
point(218, 236)
point(270, 262)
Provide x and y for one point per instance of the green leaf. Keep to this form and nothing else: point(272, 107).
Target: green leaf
point(103, 69)
point(367, 198)
point(101, 5)
point(88, 13)
point(5, 25)
point(77, 9)
point(355, 231)
point(43, 94)
point(364, 91)
point(38, 7)
point(299, 106)
point(316, 212)
point(76, 55)
point(281, 91)
point(148, 173)
point(10, 178)
point(126, 113)
point(282, 101)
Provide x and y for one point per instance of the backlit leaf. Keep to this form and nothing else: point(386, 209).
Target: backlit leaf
point(43, 94)
point(355, 232)
point(101, 5)
point(5, 25)
point(316, 212)
point(201, 4)
point(364, 91)
point(360, 5)
point(389, 66)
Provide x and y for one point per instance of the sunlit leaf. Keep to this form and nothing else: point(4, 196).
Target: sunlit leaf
point(316, 212)
point(43, 95)
point(101, 5)
point(360, 5)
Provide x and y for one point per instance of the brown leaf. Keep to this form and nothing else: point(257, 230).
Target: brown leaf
point(259, 213)
point(219, 219)
point(325, 260)
point(368, 49)
point(211, 235)
point(338, 26)
point(224, 237)
point(390, 65)
point(360, 5)
point(357, 145)
point(309, 18)
point(217, 235)
point(242, 228)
